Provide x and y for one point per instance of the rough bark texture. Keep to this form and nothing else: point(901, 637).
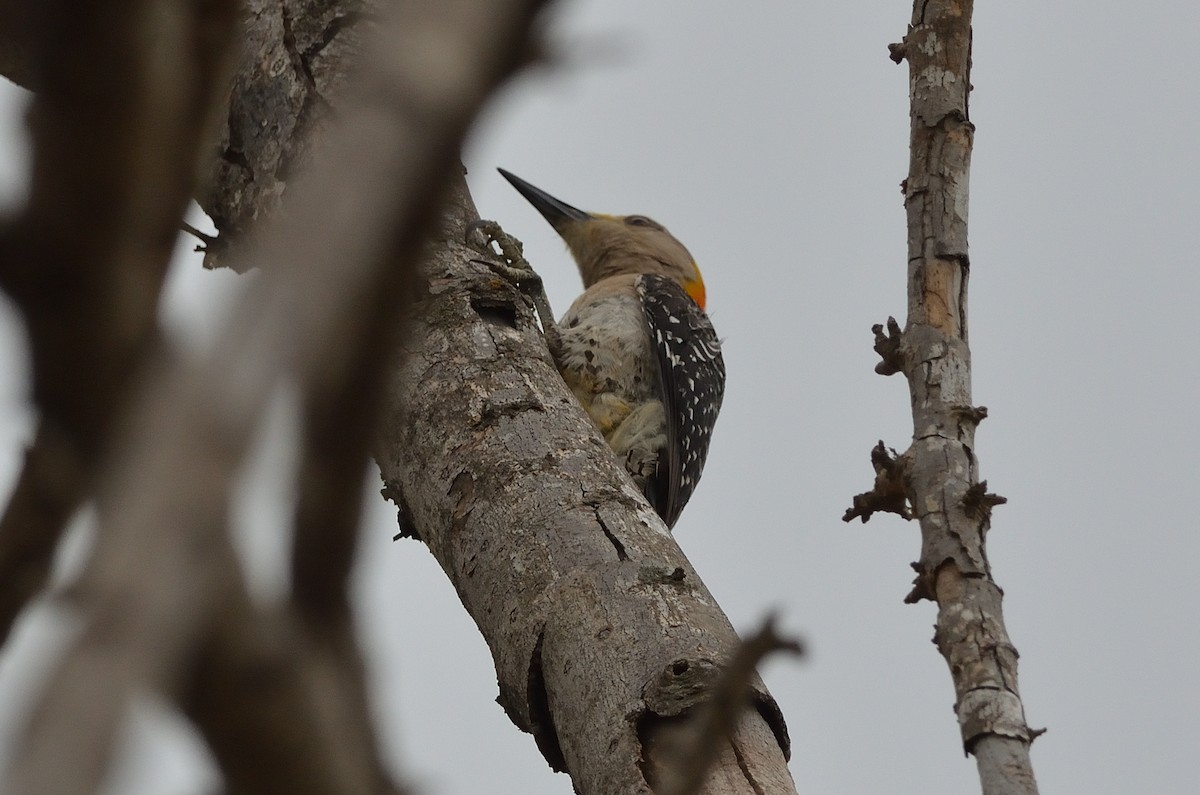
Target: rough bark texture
point(939, 472)
point(294, 61)
point(601, 631)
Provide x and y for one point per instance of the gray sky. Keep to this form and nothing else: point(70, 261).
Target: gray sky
point(771, 138)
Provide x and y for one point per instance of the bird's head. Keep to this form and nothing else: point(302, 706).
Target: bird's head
point(608, 245)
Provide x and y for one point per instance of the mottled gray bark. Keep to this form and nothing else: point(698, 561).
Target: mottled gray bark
point(939, 472)
point(602, 633)
point(296, 57)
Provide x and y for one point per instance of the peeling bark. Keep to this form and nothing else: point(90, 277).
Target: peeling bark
point(940, 474)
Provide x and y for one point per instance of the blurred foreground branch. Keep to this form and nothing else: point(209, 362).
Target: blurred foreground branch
point(119, 125)
point(162, 600)
point(681, 761)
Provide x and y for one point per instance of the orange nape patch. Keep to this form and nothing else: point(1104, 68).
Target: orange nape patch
point(695, 288)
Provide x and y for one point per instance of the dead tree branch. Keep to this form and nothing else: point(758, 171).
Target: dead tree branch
point(941, 472)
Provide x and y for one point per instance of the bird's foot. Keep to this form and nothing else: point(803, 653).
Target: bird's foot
point(506, 255)
point(506, 258)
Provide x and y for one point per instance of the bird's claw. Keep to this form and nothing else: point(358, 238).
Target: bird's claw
point(482, 235)
point(506, 258)
point(506, 255)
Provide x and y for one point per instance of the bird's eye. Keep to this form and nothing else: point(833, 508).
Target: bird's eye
point(640, 220)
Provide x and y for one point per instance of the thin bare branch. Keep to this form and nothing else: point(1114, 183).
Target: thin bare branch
point(940, 473)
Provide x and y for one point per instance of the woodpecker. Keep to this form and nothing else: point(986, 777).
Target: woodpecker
point(636, 348)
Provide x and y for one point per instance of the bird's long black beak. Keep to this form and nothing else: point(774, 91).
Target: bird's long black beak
point(553, 210)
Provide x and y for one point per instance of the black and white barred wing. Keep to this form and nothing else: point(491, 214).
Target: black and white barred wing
point(692, 380)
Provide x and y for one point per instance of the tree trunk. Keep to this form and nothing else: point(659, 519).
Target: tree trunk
point(602, 633)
